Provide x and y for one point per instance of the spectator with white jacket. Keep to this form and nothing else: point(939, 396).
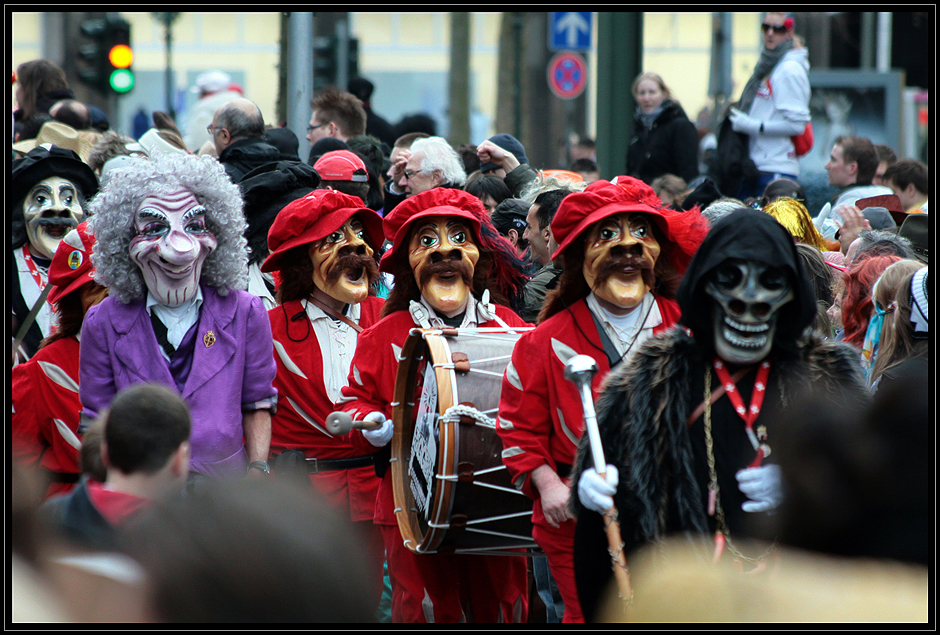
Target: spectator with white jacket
point(774, 105)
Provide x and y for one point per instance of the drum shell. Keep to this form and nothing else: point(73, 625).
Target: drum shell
point(466, 511)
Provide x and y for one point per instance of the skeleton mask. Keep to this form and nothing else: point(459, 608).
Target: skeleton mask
point(748, 297)
point(50, 210)
point(444, 251)
point(347, 250)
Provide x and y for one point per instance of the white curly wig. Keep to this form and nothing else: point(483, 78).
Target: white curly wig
point(114, 208)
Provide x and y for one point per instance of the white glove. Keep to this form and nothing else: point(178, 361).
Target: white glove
point(742, 122)
point(596, 493)
point(380, 436)
point(763, 485)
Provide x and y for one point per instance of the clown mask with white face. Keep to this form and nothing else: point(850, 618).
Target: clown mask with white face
point(170, 245)
point(442, 254)
point(51, 210)
point(619, 256)
point(343, 263)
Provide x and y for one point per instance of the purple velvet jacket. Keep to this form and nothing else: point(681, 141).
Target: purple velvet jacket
point(230, 373)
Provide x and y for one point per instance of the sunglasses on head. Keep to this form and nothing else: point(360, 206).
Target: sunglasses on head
point(779, 29)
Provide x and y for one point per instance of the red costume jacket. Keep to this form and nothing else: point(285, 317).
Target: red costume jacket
point(540, 413)
point(303, 405)
point(46, 411)
point(372, 384)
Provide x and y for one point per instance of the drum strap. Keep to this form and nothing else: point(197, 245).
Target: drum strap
point(333, 314)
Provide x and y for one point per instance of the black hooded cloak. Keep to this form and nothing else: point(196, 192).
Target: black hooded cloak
point(643, 411)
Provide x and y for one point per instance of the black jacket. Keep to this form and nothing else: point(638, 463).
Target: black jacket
point(731, 162)
point(76, 517)
point(669, 147)
point(266, 190)
point(245, 155)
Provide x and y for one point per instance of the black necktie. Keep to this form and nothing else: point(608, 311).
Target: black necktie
point(159, 329)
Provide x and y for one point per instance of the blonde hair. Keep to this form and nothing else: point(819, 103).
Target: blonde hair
point(793, 215)
point(667, 94)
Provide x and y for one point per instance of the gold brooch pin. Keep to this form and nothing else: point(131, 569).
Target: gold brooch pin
point(209, 339)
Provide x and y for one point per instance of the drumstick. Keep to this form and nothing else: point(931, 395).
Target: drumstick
point(340, 423)
point(580, 370)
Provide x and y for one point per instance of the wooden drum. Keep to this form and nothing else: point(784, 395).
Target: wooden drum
point(452, 492)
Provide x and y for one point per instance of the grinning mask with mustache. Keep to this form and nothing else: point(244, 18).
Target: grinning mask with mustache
point(343, 263)
point(442, 254)
point(51, 210)
point(620, 253)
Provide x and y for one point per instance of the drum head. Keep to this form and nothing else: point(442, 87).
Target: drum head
point(421, 444)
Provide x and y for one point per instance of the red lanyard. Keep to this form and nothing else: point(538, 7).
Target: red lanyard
point(748, 414)
point(33, 269)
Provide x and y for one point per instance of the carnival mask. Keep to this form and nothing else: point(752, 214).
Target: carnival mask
point(51, 210)
point(343, 264)
point(170, 245)
point(442, 255)
point(748, 297)
point(619, 256)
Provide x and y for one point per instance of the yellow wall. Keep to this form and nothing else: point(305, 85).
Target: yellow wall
point(676, 45)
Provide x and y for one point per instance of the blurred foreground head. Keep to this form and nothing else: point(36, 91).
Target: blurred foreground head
point(251, 551)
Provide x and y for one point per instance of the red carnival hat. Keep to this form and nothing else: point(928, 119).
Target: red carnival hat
point(316, 216)
point(580, 210)
point(71, 265)
point(438, 201)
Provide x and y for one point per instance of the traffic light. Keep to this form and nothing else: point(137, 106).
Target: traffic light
point(108, 57)
point(324, 62)
point(120, 57)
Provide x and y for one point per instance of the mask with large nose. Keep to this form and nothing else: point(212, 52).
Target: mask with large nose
point(619, 256)
point(443, 255)
point(51, 209)
point(343, 263)
point(170, 245)
point(747, 298)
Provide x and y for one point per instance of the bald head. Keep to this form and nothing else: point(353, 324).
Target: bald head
point(236, 119)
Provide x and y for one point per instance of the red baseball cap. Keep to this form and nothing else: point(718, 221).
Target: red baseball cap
point(438, 201)
point(316, 216)
point(71, 265)
point(580, 210)
point(341, 165)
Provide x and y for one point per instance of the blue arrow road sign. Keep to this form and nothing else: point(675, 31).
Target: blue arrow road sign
point(569, 30)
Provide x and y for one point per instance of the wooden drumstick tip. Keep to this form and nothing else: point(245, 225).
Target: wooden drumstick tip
point(340, 423)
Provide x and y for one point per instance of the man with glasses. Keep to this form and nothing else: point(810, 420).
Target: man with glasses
point(237, 131)
point(431, 162)
point(337, 114)
point(774, 105)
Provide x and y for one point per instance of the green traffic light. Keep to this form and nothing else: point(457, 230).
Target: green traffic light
point(122, 80)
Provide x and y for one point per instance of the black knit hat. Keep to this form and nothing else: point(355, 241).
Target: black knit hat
point(510, 144)
point(40, 164)
point(510, 214)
